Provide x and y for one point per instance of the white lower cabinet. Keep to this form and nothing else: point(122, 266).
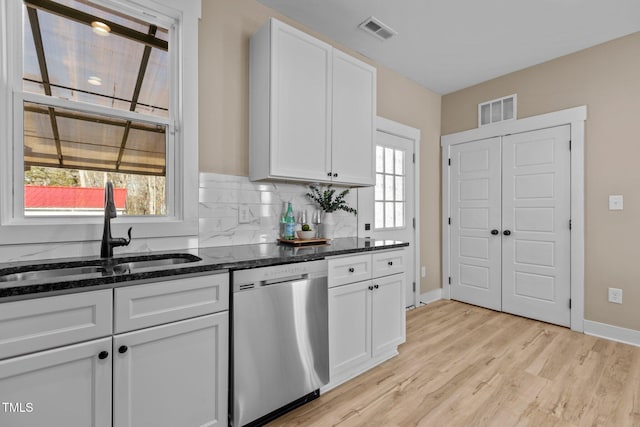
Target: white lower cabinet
point(366, 319)
point(349, 326)
point(68, 386)
point(173, 374)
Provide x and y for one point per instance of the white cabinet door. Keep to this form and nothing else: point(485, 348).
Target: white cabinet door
point(388, 313)
point(172, 375)
point(536, 209)
point(300, 104)
point(349, 327)
point(354, 109)
point(68, 386)
point(475, 214)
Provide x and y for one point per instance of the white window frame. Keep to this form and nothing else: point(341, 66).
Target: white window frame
point(182, 149)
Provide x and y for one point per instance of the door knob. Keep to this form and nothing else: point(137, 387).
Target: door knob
point(495, 232)
point(507, 232)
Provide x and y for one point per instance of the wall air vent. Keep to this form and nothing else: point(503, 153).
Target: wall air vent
point(376, 28)
point(497, 110)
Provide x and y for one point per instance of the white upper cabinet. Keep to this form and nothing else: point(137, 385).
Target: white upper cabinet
point(312, 110)
point(354, 109)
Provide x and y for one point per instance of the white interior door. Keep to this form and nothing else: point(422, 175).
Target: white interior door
point(475, 223)
point(394, 200)
point(536, 245)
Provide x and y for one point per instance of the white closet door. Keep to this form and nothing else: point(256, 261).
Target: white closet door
point(536, 211)
point(475, 212)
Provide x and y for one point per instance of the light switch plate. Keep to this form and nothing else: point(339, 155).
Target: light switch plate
point(616, 203)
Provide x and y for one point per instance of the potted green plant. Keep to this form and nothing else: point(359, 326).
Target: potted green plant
point(329, 200)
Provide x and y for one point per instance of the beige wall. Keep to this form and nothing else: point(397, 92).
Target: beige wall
point(606, 78)
point(225, 29)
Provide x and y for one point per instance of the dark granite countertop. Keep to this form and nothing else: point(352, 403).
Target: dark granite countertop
point(214, 259)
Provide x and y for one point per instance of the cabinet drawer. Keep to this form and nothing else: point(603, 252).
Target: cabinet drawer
point(42, 323)
point(153, 304)
point(349, 269)
point(386, 263)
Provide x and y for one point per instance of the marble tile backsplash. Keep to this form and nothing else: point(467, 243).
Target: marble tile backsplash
point(223, 196)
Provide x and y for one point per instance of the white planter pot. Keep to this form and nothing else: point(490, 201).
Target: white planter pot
point(328, 225)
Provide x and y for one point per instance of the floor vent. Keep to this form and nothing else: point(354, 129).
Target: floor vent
point(497, 110)
point(377, 29)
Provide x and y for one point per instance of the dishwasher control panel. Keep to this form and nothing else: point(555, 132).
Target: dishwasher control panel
point(251, 278)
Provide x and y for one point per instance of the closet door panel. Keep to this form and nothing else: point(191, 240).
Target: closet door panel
point(475, 212)
point(536, 200)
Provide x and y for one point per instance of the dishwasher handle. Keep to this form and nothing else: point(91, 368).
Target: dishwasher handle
point(284, 279)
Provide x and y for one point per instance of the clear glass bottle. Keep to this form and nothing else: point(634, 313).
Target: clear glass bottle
point(289, 224)
point(283, 215)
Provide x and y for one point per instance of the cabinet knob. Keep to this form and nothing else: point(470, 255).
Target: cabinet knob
point(507, 232)
point(123, 349)
point(390, 263)
point(103, 354)
point(328, 173)
point(370, 288)
point(495, 232)
point(351, 269)
point(335, 175)
point(376, 286)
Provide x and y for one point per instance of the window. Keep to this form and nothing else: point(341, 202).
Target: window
point(99, 91)
point(85, 56)
point(389, 193)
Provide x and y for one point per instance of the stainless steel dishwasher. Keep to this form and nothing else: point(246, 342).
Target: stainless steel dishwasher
point(280, 340)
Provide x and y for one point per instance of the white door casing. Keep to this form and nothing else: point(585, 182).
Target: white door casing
point(407, 139)
point(575, 118)
point(475, 212)
point(536, 210)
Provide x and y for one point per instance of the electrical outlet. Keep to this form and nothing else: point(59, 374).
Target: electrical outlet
point(616, 203)
point(423, 271)
point(615, 295)
point(244, 214)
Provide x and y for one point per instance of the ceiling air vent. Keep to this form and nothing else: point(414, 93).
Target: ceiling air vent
point(497, 110)
point(377, 29)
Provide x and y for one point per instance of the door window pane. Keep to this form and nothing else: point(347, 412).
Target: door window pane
point(388, 160)
point(389, 192)
point(379, 215)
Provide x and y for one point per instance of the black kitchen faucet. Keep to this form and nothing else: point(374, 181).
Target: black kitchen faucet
point(108, 242)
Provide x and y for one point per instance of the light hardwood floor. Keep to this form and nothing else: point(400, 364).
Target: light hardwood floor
point(467, 366)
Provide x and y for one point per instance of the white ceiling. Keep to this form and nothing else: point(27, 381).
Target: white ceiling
point(447, 45)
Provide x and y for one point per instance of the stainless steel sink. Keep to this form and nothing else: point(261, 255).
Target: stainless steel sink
point(132, 266)
point(52, 273)
point(104, 267)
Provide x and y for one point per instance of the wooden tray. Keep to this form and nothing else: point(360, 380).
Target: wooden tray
point(302, 242)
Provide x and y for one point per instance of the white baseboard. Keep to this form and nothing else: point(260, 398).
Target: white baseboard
point(613, 333)
point(431, 296)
